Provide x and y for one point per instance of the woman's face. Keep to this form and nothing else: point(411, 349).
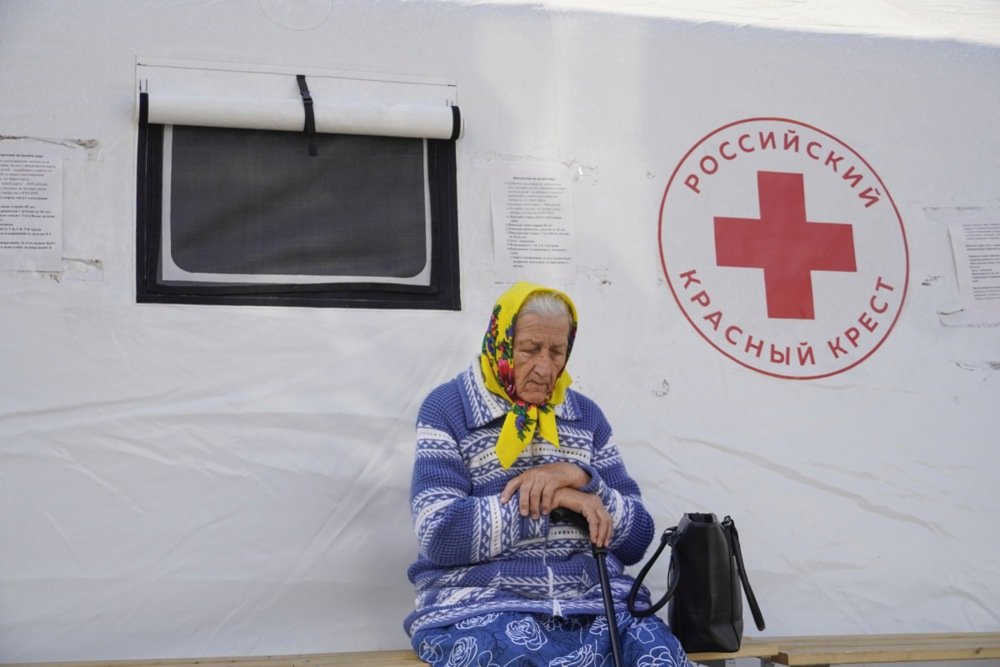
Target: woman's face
point(541, 343)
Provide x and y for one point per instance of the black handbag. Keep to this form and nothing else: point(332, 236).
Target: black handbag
point(706, 570)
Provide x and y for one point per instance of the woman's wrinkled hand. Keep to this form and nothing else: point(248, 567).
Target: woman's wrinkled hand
point(538, 486)
point(590, 506)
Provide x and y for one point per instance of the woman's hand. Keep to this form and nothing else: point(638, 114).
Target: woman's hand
point(590, 506)
point(539, 485)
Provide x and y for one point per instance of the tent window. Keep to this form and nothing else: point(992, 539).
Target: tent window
point(251, 202)
point(268, 216)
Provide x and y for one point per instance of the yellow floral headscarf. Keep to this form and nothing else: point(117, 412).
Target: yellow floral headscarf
point(497, 363)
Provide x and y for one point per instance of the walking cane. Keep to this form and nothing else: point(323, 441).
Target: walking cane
point(563, 515)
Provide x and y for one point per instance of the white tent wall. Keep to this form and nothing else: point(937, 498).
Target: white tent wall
point(201, 480)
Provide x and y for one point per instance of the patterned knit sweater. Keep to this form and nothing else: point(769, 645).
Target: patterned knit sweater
point(479, 556)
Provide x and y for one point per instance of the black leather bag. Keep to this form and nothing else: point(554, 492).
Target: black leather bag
point(703, 584)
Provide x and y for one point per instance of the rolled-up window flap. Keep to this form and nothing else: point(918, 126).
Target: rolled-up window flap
point(388, 120)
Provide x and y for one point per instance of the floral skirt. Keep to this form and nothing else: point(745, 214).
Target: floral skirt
point(515, 639)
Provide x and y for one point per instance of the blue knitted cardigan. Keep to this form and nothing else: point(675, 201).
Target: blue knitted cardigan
point(478, 556)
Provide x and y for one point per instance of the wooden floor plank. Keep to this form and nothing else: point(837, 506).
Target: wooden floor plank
point(803, 659)
point(751, 647)
point(794, 651)
point(804, 651)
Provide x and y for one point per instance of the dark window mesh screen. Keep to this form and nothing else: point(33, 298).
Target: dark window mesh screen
point(255, 202)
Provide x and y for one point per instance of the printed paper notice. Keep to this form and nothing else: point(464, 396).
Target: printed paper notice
point(30, 208)
point(533, 228)
point(975, 241)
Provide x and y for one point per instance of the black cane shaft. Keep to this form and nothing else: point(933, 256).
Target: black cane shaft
point(562, 515)
point(609, 605)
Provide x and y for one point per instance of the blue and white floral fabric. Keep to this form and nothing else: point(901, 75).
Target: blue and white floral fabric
point(513, 639)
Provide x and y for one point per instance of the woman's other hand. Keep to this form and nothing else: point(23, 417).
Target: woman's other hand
point(592, 509)
point(539, 485)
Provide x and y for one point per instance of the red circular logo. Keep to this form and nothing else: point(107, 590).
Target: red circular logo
point(783, 248)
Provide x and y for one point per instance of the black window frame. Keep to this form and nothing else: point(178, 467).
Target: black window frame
point(443, 292)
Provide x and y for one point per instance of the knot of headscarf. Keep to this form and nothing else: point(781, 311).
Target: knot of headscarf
point(497, 363)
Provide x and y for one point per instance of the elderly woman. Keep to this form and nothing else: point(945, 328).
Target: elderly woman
point(498, 448)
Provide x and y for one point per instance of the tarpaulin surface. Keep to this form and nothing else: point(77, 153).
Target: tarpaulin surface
point(211, 480)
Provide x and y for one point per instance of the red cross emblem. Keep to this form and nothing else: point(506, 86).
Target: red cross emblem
point(785, 245)
point(783, 248)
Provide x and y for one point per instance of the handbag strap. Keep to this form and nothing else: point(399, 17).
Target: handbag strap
point(734, 540)
point(668, 537)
